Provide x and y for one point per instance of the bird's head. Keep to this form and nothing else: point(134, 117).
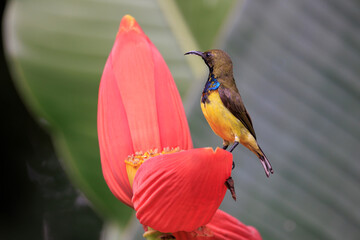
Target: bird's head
point(217, 60)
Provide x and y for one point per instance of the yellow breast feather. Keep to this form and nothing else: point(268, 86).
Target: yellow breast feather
point(224, 123)
point(220, 119)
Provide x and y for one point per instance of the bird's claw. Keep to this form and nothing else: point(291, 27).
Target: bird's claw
point(229, 183)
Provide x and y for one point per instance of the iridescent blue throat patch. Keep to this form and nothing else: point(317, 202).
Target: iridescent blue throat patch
point(213, 84)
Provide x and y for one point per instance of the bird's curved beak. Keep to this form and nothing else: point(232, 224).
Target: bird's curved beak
point(201, 54)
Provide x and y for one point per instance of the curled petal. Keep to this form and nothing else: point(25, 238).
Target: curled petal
point(222, 226)
point(181, 191)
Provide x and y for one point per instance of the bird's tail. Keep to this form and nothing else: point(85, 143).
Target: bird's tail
point(265, 162)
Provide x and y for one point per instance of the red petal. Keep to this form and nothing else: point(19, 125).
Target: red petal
point(181, 191)
point(174, 129)
point(134, 72)
point(152, 103)
point(114, 136)
point(222, 226)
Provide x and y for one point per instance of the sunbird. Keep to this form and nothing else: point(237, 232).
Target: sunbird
point(223, 107)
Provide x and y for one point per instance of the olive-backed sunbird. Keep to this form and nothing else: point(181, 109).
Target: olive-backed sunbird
point(223, 107)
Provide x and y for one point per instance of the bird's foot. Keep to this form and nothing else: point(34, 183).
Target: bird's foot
point(225, 144)
point(233, 146)
point(229, 183)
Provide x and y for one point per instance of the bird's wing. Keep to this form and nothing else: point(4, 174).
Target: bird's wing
point(233, 102)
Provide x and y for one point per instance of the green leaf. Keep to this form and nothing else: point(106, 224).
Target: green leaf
point(206, 19)
point(57, 51)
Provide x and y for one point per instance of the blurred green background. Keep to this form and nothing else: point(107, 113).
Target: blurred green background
point(297, 66)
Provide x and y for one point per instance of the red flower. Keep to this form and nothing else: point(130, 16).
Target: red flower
point(221, 227)
point(145, 143)
point(139, 106)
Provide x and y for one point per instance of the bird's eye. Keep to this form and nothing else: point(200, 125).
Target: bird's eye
point(208, 54)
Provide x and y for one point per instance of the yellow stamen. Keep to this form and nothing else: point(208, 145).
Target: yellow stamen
point(134, 161)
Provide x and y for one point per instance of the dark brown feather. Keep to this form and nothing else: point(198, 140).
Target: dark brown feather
point(231, 98)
